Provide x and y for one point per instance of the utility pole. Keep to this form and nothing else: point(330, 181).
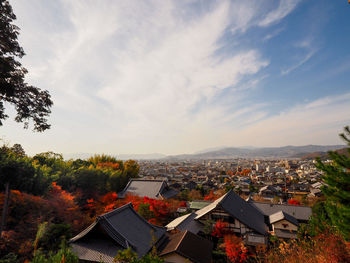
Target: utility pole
point(5, 207)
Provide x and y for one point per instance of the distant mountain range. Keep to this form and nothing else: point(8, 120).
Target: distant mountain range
point(304, 152)
point(266, 152)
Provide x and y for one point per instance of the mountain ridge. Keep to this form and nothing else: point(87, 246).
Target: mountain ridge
point(288, 151)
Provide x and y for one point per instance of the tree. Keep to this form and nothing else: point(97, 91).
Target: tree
point(129, 256)
point(30, 102)
point(235, 249)
point(18, 150)
point(131, 168)
point(337, 188)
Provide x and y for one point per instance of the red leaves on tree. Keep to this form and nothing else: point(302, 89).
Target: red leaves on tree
point(64, 206)
point(161, 209)
point(210, 196)
point(220, 229)
point(235, 250)
point(26, 212)
point(183, 204)
point(293, 202)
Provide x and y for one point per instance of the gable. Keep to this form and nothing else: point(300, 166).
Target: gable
point(120, 228)
point(301, 213)
point(238, 208)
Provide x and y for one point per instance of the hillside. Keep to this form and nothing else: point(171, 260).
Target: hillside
point(266, 152)
point(322, 155)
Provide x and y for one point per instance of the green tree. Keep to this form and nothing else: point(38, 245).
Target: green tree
point(102, 158)
point(30, 102)
point(337, 188)
point(129, 256)
point(131, 168)
point(54, 234)
point(65, 255)
point(145, 212)
point(18, 150)
point(9, 258)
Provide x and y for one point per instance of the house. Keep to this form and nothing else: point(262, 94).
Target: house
point(269, 191)
point(284, 225)
point(301, 213)
point(191, 185)
point(186, 247)
point(119, 229)
point(186, 222)
point(242, 218)
point(156, 189)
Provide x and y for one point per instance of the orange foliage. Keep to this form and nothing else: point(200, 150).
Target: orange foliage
point(229, 172)
point(64, 206)
point(324, 248)
point(26, 212)
point(161, 209)
point(235, 249)
point(212, 197)
point(108, 165)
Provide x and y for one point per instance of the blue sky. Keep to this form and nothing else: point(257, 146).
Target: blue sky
point(180, 76)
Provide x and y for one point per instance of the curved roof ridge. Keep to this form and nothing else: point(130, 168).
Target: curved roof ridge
point(84, 232)
point(126, 206)
point(116, 210)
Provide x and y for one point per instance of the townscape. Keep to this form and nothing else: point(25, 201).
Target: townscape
point(275, 180)
point(169, 131)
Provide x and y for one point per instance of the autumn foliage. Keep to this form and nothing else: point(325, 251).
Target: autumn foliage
point(324, 248)
point(158, 211)
point(234, 248)
point(27, 211)
point(211, 196)
point(293, 202)
point(220, 229)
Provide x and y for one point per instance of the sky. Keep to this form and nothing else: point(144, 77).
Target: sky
point(177, 77)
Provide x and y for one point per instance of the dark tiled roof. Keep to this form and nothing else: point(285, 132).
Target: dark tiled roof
point(124, 227)
point(244, 212)
point(155, 189)
point(238, 208)
point(189, 245)
point(299, 212)
point(96, 249)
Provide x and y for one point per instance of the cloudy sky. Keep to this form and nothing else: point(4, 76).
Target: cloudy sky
point(180, 76)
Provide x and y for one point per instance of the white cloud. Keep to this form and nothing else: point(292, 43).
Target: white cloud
point(284, 8)
point(316, 122)
point(301, 62)
point(137, 76)
point(306, 46)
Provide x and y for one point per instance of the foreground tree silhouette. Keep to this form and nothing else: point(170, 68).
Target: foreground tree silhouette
point(30, 102)
point(337, 191)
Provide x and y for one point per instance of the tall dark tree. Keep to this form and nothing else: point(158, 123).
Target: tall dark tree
point(337, 189)
point(30, 102)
